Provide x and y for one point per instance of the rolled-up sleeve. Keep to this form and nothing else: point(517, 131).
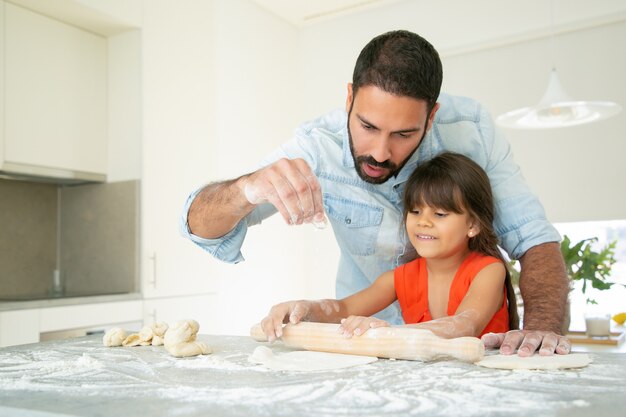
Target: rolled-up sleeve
point(226, 248)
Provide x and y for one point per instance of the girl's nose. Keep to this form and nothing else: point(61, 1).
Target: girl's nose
point(424, 221)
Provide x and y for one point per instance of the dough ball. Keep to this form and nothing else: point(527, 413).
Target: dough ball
point(159, 328)
point(182, 331)
point(180, 340)
point(157, 340)
point(114, 337)
point(146, 334)
point(186, 349)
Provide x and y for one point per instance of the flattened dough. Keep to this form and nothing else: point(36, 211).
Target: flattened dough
point(304, 360)
point(573, 360)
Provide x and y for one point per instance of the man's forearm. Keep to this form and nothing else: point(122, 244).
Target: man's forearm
point(544, 286)
point(217, 209)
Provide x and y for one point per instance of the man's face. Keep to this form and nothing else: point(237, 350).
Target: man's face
point(384, 131)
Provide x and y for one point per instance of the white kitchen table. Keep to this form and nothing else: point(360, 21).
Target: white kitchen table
point(80, 377)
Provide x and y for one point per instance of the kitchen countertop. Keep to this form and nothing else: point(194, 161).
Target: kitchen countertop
point(80, 377)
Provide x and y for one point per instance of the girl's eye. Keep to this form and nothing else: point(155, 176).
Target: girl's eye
point(441, 214)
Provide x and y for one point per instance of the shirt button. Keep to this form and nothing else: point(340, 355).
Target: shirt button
point(348, 220)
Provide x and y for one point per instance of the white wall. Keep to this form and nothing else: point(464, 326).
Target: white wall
point(578, 172)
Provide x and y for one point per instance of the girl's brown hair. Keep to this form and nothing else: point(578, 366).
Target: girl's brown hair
point(455, 183)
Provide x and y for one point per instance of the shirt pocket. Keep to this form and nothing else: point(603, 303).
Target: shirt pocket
point(356, 224)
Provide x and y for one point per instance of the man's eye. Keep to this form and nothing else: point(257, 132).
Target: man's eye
point(404, 135)
point(367, 127)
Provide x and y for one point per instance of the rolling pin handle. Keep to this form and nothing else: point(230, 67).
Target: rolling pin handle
point(257, 333)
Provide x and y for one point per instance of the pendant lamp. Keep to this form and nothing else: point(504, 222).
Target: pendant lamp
point(556, 108)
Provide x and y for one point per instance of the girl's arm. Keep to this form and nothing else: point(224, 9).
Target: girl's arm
point(483, 299)
point(364, 303)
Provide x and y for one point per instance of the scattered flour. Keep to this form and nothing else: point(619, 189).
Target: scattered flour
point(224, 381)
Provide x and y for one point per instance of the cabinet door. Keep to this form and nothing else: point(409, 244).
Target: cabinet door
point(19, 327)
point(202, 308)
point(177, 145)
point(55, 93)
point(54, 319)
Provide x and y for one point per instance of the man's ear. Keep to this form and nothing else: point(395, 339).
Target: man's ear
point(349, 98)
point(431, 117)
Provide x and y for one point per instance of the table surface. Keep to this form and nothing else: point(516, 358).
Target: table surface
point(80, 377)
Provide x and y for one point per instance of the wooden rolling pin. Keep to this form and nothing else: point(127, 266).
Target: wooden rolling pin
point(383, 342)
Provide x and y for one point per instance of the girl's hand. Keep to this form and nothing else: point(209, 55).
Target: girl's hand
point(357, 325)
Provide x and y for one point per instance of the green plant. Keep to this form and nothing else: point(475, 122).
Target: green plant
point(582, 264)
point(586, 265)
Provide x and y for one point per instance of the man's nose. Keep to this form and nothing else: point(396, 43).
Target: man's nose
point(381, 151)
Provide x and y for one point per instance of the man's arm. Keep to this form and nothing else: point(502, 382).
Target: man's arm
point(287, 184)
point(218, 208)
point(544, 286)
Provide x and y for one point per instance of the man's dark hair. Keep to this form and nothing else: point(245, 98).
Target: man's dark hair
point(401, 63)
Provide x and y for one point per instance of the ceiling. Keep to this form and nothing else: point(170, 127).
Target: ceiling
point(303, 12)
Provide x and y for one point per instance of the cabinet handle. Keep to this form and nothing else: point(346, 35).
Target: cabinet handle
point(153, 281)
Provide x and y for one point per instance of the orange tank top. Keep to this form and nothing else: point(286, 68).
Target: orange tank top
point(411, 284)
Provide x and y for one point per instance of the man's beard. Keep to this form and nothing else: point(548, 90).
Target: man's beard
point(394, 169)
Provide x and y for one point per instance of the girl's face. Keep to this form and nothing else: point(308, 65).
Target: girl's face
point(437, 233)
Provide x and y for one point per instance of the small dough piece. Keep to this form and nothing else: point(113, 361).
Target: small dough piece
point(132, 340)
point(305, 360)
point(157, 340)
point(159, 328)
point(180, 340)
point(146, 334)
point(114, 337)
point(185, 349)
point(573, 360)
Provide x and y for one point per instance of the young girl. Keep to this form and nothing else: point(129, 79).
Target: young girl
point(458, 285)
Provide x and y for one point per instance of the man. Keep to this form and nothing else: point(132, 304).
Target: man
point(352, 165)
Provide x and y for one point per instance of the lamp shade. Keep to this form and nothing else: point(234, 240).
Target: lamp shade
point(557, 109)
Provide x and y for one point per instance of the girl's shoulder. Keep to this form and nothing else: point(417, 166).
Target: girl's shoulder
point(476, 261)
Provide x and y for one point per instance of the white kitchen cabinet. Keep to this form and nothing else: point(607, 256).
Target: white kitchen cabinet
point(54, 319)
point(176, 146)
point(202, 308)
point(28, 325)
point(19, 327)
point(55, 97)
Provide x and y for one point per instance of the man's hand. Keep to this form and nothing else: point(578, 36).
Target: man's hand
point(526, 342)
point(291, 187)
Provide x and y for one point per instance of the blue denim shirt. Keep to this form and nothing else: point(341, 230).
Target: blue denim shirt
point(367, 219)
